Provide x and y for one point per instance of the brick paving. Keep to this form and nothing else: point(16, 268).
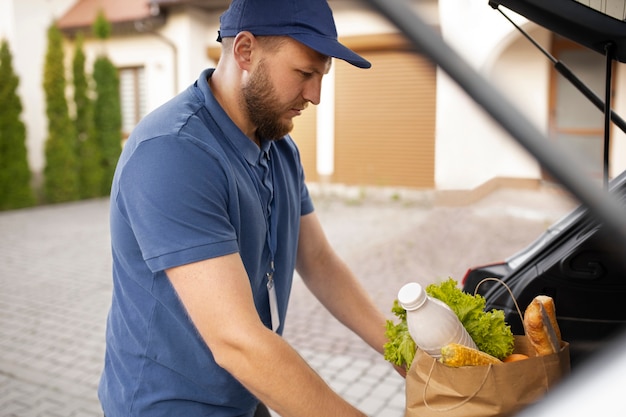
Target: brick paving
point(55, 280)
point(54, 273)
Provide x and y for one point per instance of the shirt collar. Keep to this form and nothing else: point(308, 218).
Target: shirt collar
point(250, 151)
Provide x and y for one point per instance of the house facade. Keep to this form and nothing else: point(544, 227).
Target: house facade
point(401, 124)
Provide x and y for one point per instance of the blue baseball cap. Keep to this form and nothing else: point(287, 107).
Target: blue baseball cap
point(308, 21)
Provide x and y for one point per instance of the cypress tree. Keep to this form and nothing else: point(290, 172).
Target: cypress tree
point(107, 117)
point(61, 170)
point(90, 171)
point(15, 175)
point(107, 107)
point(101, 26)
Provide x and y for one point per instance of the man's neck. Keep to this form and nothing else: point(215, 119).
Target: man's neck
point(225, 90)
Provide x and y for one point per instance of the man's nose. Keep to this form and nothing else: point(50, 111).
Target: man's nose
point(312, 91)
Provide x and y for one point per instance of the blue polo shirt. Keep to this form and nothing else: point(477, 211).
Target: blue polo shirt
point(189, 186)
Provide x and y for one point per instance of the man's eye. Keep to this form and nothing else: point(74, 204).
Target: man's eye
point(306, 74)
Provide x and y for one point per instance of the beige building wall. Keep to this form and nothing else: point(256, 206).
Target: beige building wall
point(465, 149)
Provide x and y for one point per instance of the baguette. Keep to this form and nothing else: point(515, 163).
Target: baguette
point(541, 327)
point(548, 304)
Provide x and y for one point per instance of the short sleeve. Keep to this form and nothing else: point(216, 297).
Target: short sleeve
point(176, 210)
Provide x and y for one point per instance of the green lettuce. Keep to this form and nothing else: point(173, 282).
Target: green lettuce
point(488, 329)
point(400, 348)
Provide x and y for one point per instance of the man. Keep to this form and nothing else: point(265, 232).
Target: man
point(209, 217)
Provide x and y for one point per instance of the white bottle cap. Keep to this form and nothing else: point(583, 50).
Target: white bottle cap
point(411, 296)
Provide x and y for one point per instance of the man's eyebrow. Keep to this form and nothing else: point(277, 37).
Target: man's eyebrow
point(314, 70)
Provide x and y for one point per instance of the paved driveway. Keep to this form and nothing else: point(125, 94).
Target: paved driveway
point(55, 280)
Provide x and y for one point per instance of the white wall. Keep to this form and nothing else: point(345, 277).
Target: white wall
point(7, 21)
point(193, 32)
point(522, 75)
point(354, 18)
point(466, 137)
point(471, 148)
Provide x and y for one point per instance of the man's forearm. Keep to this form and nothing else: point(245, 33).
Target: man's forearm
point(276, 374)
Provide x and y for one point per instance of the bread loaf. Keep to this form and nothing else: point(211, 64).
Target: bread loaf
point(548, 304)
point(541, 326)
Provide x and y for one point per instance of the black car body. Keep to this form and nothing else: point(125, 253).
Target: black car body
point(574, 262)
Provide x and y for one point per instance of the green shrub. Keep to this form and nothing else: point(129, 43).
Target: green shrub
point(61, 169)
point(15, 174)
point(107, 107)
point(107, 117)
point(90, 163)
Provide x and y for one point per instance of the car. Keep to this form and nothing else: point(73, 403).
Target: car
point(573, 262)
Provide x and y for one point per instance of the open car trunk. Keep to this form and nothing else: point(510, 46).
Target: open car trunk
point(595, 389)
point(596, 28)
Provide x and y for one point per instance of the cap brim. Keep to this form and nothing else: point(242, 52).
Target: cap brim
point(332, 48)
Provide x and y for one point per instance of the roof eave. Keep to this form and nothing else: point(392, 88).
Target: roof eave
point(140, 25)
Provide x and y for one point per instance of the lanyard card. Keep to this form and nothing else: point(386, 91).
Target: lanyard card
point(273, 302)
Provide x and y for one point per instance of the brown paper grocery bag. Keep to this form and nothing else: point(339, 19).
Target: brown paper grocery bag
point(434, 389)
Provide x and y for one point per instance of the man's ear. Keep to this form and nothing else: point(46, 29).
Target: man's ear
point(243, 46)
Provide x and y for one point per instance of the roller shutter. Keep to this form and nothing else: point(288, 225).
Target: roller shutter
point(385, 121)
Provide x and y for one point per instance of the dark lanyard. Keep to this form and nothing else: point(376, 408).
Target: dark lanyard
point(271, 222)
point(272, 242)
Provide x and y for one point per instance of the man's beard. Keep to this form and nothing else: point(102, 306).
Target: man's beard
point(263, 106)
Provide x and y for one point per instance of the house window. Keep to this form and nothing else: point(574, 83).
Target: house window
point(575, 121)
point(132, 96)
